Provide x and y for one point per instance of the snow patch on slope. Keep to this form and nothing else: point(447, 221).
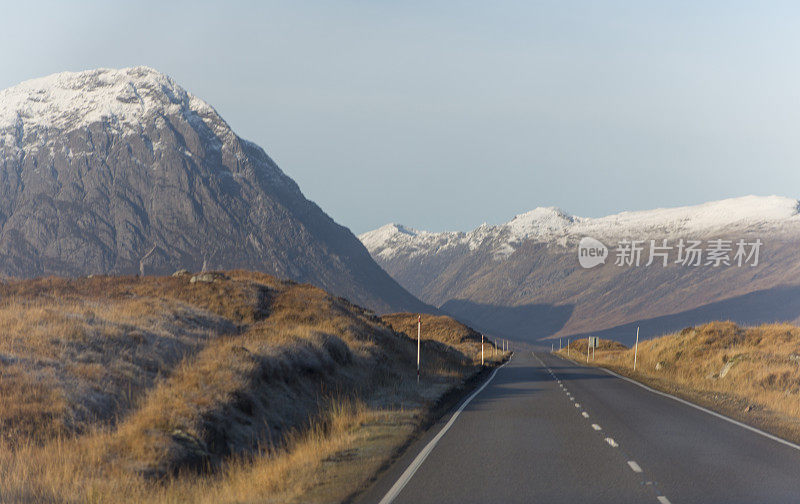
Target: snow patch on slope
point(391, 239)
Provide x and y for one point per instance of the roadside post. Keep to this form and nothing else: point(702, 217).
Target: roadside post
point(419, 334)
point(588, 346)
point(593, 342)
point(481, 349)
point(636, 348)
point(567, 348)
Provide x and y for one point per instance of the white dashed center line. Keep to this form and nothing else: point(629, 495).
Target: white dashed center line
point(609, 440)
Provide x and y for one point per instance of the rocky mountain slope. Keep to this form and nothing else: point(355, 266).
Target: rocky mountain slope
point(522, 279)
point(124, 171)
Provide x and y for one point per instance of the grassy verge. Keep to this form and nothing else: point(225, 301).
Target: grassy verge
point(235, 388)
point(751, 374)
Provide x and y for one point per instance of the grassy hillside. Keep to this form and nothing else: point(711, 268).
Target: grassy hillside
point(234, 387)
point(446, 334)
point(749, 373)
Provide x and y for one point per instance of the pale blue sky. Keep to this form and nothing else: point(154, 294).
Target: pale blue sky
point(443, 115)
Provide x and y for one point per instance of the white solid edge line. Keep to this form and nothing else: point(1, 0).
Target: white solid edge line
point(411, 469)
point(634, 466)
point(706, 410)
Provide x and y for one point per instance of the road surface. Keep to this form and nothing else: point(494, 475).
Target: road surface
point(544, 430)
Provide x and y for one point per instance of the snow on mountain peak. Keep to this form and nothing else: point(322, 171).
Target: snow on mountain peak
point(539, 222)
point(738, 213)
point(71, 100)
point(553, 225)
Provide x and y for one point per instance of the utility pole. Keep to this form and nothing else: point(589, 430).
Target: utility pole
point(587, 350)
point(481, 349)
point(636, 348)
point(419, 335)
point(567, 348)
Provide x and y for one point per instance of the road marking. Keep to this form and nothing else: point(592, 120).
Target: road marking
point(571, 398)
point(706, 410)
point(611, 442)
point(663, 500)
point(577, 405)
point(596, 427)
point(634, 466)
point(585, 415)
point(409, 472)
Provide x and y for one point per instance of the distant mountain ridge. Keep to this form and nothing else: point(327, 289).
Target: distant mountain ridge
point(124, 171)
point(511, 277)
point(550, 224)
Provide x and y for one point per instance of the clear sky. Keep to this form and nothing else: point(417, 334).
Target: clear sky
point(446, 114)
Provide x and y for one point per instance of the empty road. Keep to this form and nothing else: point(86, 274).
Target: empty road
point(544, 430)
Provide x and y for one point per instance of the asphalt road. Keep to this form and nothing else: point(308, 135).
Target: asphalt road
point(581, 435)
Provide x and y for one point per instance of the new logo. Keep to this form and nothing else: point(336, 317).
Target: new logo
point(591, 252)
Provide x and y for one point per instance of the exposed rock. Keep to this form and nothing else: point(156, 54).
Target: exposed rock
point(207, 278)
point(728, 365)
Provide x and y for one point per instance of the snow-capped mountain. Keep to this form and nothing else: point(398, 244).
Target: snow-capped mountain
point(531, 260)
point(552, 225)
point(124, 171)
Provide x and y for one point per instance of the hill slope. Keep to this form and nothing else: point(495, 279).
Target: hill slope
point(237, 388)
point(124, 171)
point(522, 279)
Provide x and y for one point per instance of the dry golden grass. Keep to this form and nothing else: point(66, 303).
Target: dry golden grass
point(750, 373)
point(246, 389)
point(446, 330)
